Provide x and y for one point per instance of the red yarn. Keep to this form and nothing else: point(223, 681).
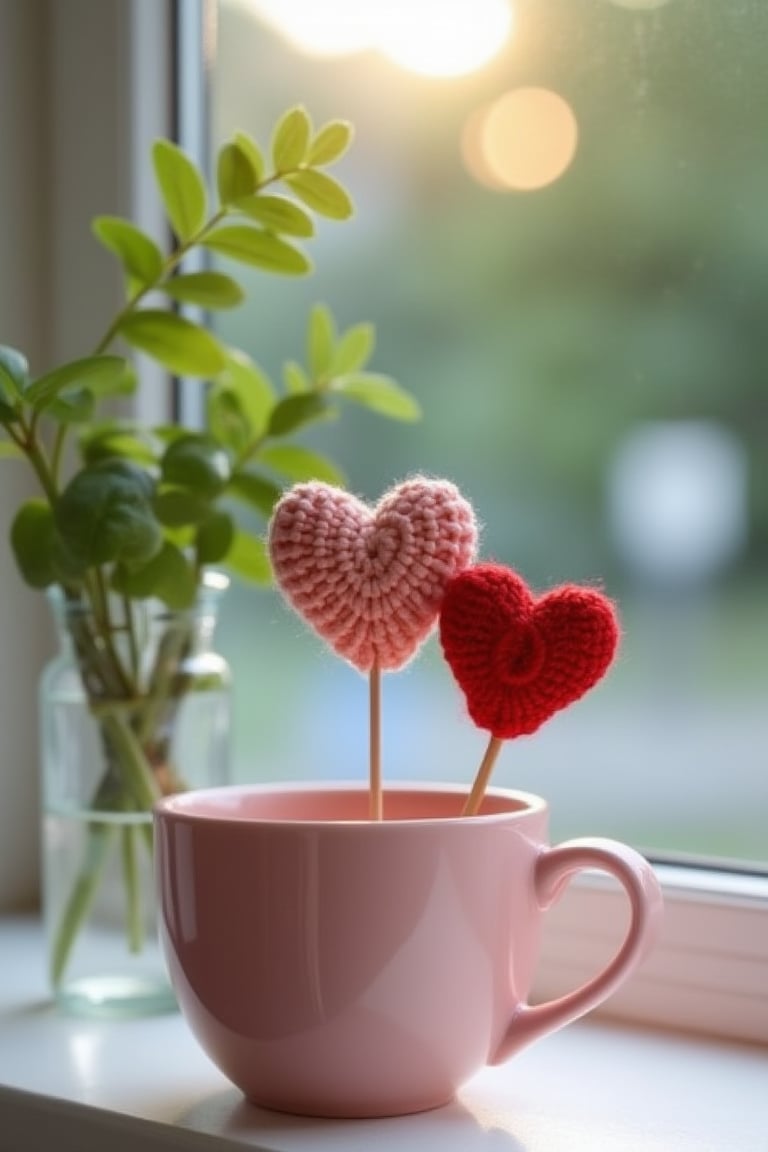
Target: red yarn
point(519, 658)
point(370, 581)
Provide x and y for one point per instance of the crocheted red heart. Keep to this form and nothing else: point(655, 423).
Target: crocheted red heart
point(519, 658)
point(370, 581)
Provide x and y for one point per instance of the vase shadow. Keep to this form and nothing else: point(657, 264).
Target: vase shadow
point(453, 1128)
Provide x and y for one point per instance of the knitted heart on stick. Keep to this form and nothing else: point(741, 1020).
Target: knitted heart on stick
point(370, 581)
point(520, 658)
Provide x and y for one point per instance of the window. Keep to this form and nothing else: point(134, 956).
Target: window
point(589, 356)
point(564, 254)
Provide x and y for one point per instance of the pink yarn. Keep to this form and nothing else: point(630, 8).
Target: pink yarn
point(370, 581)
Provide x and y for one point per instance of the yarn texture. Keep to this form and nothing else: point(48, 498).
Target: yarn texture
point(370, 581)
point(519, 658)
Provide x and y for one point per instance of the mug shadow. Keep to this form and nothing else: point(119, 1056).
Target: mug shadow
point(452, 1128)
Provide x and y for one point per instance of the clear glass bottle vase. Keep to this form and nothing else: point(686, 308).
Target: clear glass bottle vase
point(135, 705)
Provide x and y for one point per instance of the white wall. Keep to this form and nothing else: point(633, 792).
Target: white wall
point(25, 321)
point(84, 86)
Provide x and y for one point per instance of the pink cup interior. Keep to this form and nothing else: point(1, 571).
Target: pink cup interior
point(333, 803)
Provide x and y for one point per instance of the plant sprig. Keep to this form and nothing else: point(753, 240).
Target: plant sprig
point(146, 509)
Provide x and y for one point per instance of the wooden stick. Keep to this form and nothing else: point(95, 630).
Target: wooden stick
point(475, 798)
point(375, 811)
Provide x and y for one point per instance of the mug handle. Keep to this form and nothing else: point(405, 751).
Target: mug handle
point(553, 869)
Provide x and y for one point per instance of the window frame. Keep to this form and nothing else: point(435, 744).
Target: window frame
point(706, 973)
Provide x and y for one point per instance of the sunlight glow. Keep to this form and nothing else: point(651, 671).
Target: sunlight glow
point(336, 29)
point(443, 37)
point(523, 141)
point(431, 37)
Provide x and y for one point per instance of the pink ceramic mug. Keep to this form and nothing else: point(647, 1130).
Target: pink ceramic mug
point(334, 966)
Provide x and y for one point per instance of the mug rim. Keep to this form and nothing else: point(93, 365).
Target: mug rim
point(186, 806)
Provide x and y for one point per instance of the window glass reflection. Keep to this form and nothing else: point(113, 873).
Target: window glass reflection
point(564, 250)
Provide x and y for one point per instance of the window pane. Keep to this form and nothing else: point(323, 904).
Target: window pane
point(565, 254)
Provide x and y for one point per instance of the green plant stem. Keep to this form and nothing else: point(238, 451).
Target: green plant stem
point(101, 672)
point(101, 669)
point(170, 264)
point(36, 455)
point(171, 647)
point(58, 450)
point(174, 258)
point(108, 630)
point(136, 778)
point(134, 926)
point(133, 647)
point(81, 898)
point(135, 772)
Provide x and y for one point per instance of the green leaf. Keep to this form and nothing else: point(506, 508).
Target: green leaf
point(32, 536)
point(330, 143)
point(214, 538)
point(14, 372)
point(115, 438)
point(183, 535)
point(207, 289)
point(257, 247)
point(74, 403)
point(72, 407)
point(198, 463)
point(295, 378)
point(252, 387)
point(168, 576)
point(226, 420)
point(278, 214)
point(353, 349)
point(14, 369)
point(255, 491)
point(140, 256)
point(290, 139)
point(182, 188)
point(235, 175)
point(179, 507)
point(321, 340)
point(181, 346)
point(251, 149)
point(105, 514)
point(300, 464)
point(248, 558)
point(294, 412)
point(101, 375)
point(167, 433)
point(321, 193)
point(380, 394)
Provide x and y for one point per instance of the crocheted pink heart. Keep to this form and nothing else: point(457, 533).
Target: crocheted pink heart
point(517, 657)
point(370, 580)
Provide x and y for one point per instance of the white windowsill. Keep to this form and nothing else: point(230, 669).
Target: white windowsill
point(88, 1085)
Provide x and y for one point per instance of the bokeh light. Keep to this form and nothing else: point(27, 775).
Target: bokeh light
point(523, 141)
point(431, 37)
point(443, 37)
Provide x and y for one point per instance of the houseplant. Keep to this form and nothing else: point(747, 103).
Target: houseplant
point(129, 518)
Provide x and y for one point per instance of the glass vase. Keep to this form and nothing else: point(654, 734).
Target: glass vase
point(135, 705)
